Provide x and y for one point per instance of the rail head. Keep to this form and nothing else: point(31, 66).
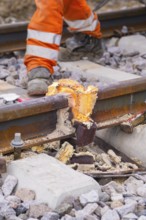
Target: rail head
point(33, 107)
point(15, 27)
point(123, 88)
point(13, 36)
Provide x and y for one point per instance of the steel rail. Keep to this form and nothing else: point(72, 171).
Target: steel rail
point(13, 36)
point(112, 22)
point(36, 119)
point(120, 102)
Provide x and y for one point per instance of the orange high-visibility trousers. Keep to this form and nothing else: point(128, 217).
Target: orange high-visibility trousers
point(45, 29)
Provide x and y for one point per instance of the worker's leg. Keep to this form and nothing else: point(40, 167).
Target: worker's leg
point(86, 40)
point(44, 34)
point(80, 18)
point(43, 41)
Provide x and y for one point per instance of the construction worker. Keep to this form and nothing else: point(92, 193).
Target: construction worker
point(44, 36)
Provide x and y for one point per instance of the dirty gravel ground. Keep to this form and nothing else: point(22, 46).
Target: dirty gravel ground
point(117, 4)
point(113, 202)
point(12, 11)
point(19, 10)
point(118, 55)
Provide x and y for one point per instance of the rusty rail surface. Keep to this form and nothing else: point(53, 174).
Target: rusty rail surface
point(35, 119)
point(112, 22)
point(13, 36)
point(120, 102)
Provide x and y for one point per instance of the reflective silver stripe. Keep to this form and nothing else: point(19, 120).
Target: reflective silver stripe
point(83, 25)
point(43, 52)
point(45, 37)
point(91, 27)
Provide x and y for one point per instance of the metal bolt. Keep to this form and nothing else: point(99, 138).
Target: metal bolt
point(17, 143)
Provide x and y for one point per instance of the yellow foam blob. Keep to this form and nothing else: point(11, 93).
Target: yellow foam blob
point(84, 98)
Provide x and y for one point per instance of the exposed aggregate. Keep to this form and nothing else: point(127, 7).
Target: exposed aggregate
point(117, 201)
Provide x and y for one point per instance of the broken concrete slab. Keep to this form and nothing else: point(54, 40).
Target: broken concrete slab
point(94, 72)
point(51, 180)
point(132, 145)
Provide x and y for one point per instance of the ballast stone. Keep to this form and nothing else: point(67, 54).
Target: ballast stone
point(133, 43)
point(51, 180)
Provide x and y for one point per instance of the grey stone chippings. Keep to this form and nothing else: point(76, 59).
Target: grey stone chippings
point(126, 209)
point(50, 216)
point(120, 205)
point(130, 216)
point(9, 185)
point(38, 210)
point(25, 194)
point(13, 201)
point(104, 197)
point(65, 208)
point(110, 214)
point(131, 185)
point(32, 219)
point(4, 73)
point(90, 197)
point(23, 216)
point(142, 218)
point(68, 217)
point(141, 191)
point(122, 54)
point(112, 187)
point(89, 209)
point(14, 218)
point(7, 212)
point(20, 210)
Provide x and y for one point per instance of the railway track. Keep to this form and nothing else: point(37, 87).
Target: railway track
point(42, 120)
point(47, 119)
point(13, 36)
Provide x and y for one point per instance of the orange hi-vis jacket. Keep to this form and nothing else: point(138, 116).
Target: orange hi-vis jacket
point(45, 29)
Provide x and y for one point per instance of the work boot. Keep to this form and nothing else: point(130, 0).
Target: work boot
point(38, 81)
point(82, 45)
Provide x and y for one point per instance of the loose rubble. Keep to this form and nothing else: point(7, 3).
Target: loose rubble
point(126, 54)
point(87, 206)
point(90, 161)
point(13, 71)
